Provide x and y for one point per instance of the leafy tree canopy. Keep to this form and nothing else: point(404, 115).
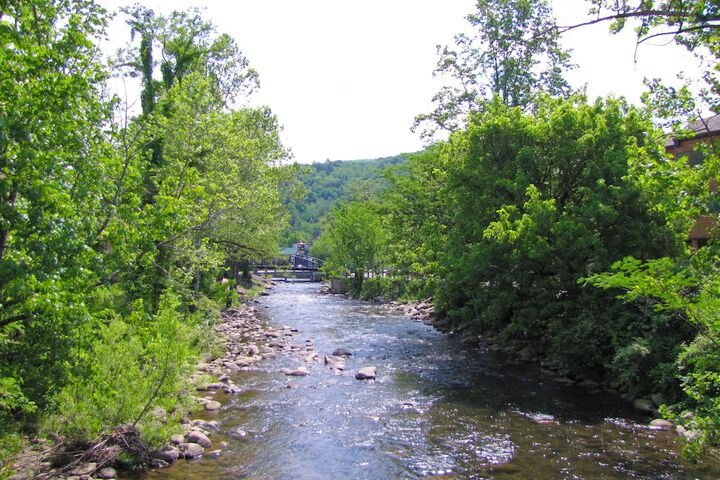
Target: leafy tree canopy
point(514, 54)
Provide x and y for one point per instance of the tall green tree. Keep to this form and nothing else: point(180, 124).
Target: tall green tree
point(55, 171)
point(514, 54)
point(354, 240)
point(417, 216)
point(193, 151)
point(681, 287)
point(539, 199)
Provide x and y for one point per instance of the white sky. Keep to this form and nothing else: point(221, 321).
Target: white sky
point(346, 79)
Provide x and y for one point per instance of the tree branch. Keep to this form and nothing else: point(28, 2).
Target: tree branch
point(645, 13)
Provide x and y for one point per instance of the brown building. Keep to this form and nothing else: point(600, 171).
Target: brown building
point(706, 131)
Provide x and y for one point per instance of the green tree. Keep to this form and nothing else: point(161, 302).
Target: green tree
point(114, 235)
point(683, 287)
point(417, 219)
point(539, 200)
point(514, 55)
point(55, 171)
point(354, 240)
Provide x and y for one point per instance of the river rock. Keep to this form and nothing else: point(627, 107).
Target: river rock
point(193, 450)
point(691, 435)
point(661, 424)
point(157, 463)
point(232, 390)
point(84, 469)
point(199, 438)
point(244, 361)
point(366, 373)
point(565, 381)
point(177, 439)
point(213, 406)
point(312, 358)
point(589, 384)
point(334, 362)
point(298, 372)
point(341, 352)
point(233, 367)
point(658, 399)
point(166, 454)
point(211, 386)
point(107, 472)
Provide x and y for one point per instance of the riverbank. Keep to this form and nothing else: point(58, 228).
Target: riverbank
point(244, 341)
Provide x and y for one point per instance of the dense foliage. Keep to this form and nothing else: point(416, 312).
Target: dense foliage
point(115, 232)
point(539, 201)
point(325, 185)
point(535, 202)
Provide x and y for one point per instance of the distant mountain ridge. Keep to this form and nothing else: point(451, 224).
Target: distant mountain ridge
point(327, 184)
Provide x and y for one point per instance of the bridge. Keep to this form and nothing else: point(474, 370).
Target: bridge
point(298, 268)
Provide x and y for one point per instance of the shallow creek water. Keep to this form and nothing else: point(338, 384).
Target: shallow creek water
point(438, 409)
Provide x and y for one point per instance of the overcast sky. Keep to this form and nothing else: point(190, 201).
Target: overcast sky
point(346, 79)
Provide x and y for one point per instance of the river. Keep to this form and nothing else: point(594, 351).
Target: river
point(438, 409)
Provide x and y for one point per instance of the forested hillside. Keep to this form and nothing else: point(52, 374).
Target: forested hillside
point(324, 185)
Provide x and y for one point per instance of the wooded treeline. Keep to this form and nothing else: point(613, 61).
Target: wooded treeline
point(553, 224)
point(116, 230)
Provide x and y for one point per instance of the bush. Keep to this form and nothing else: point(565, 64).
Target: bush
point(134, 371)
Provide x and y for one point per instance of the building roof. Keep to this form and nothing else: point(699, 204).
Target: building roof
point(706, 125)
point(289, 251)
point(702, 127)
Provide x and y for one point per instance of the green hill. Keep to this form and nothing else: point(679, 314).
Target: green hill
point(328, 183)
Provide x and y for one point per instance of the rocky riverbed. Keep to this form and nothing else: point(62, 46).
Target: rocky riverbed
point(247, 342)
